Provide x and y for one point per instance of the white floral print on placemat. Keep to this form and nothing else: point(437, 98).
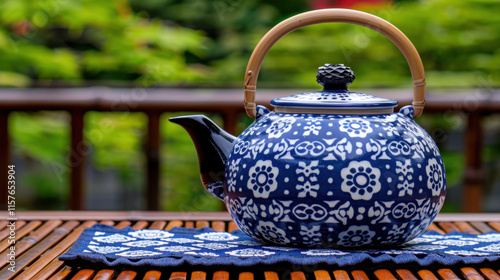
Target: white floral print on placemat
point(115, 238)
point(250, 253)
point(198, 244)
point(465, 253)
point(490, 248)
point(177, 248)
point(246, 243)
point(202, 254)
point(181, 240)
point(216, 236)
point(150, 233)
point(215, 246)
point(324, 252)
point(106, 249)
point(138, 254)
point(145, 243)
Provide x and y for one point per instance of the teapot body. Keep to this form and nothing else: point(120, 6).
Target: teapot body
point(334, 180)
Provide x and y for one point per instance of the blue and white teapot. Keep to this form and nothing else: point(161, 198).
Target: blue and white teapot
point(331, 168)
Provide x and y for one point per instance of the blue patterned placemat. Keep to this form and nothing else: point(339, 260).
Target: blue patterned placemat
point(113, 247)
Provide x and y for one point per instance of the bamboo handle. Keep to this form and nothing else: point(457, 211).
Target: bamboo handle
point(335, 15)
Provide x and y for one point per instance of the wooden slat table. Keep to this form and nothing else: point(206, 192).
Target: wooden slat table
point(42, 236)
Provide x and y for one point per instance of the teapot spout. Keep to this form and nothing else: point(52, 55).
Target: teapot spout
point(213, 146)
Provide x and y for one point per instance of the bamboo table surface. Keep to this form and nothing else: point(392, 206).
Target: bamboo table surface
point(42, 236)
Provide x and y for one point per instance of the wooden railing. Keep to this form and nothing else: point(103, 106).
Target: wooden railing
point(471, 104)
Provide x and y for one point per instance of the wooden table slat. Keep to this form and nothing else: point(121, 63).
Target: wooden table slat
point(107, 222)
point(140, 225)
point(35, 251)
point(84, 274)
point(20, 233)
point(470, 273)
point(384, 274)
point(495, 226)
point(156, 275)
point(6, 231)
point(466, 227)
point(219, 226)
point(35, 236)
point(104, 274)
point(340, 275)
point(447, 274)
point(482, 227)
point(158, 225)
point(47, 271)
point(173, 224)
point(435, 228)
point(448, 227)
point(489, 274)
point(221, 275)
point(59, 249)
point(202, 224)
point(62, 274)
point(231, 226)
point(245, 276)
point(271, 275)
point(3, 223)
point(198, 275)
point(322, 275)
point(123, 224)
point(175, 276)
point(189, 224)
point(359, 275)
point(405, 274)
point(297, 275)
point(126, 275)
point(427, 275)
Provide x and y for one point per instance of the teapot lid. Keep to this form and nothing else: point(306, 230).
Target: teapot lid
point(334, 98)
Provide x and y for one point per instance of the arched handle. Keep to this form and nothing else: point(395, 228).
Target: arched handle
point(336, 15)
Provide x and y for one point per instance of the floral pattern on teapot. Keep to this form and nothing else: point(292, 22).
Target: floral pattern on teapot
point(334, 180)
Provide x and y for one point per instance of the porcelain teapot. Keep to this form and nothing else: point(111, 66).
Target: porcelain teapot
point(330, 168)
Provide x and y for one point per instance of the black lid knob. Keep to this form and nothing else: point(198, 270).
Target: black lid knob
point(335, 76)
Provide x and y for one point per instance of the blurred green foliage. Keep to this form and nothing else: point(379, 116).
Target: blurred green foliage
point(208, 43)
point(458, 42)
point(73, 41)
point(116, 138)
point(197, 41)
point(42, 140)
point(31, 129)
point(115, 141)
